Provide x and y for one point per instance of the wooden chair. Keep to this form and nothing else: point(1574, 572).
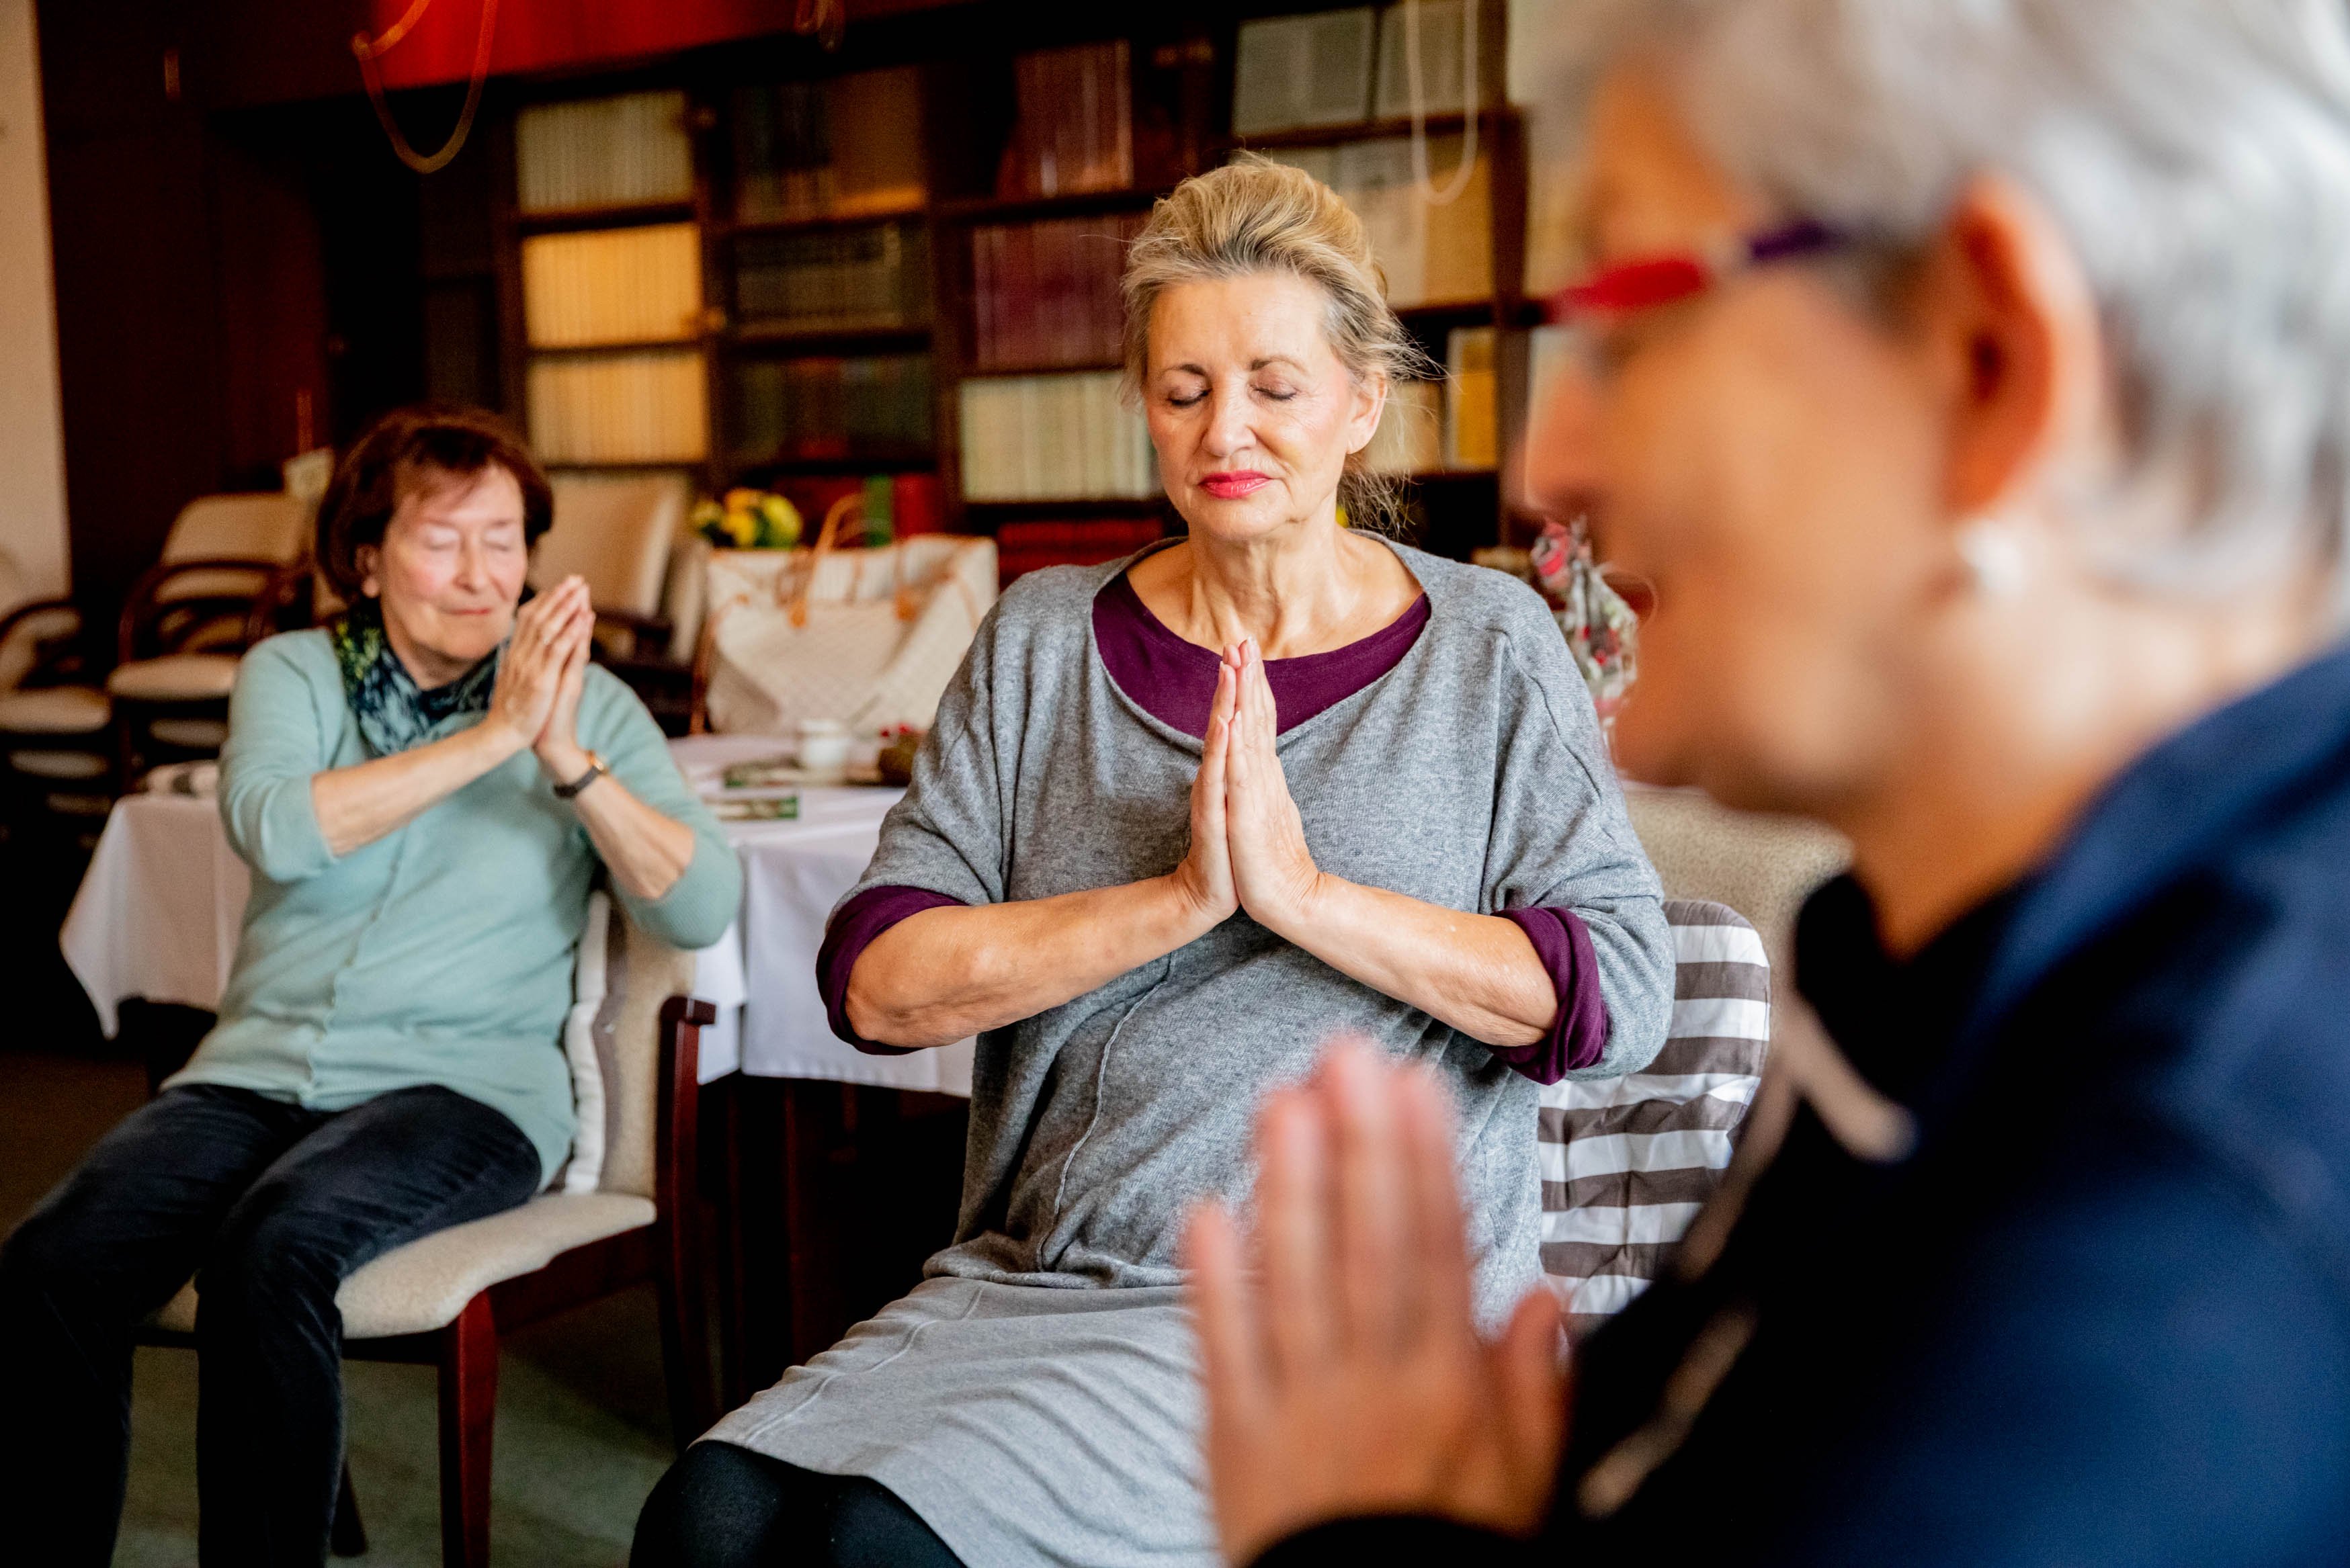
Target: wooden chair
point(444, 1300)
point(230, 565)
point(56, 736)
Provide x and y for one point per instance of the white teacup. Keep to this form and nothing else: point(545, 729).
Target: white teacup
point(824, 750)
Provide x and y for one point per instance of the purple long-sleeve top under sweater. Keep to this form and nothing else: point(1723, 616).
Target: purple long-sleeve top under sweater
point(1174, 681)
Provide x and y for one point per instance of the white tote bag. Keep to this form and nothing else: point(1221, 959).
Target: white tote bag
point(869, 637)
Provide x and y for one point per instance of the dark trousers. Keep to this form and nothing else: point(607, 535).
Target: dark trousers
point(269, 1206)
point(726, 1507)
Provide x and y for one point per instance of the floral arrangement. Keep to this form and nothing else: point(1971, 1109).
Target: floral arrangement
point(749, 520)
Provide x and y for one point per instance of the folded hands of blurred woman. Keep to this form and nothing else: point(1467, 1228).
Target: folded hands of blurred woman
point(1344, 1372)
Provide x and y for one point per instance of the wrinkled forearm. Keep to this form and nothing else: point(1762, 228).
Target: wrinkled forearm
point(1477, 972)
point(359, 805)
point(645, 851)
point(945, 974)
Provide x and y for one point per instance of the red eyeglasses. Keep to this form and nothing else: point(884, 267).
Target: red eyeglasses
point(1645, 283)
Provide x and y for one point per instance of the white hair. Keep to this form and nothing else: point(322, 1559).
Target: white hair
point(2196, 155)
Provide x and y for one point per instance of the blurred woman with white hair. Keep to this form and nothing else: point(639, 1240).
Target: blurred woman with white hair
point(1971, 384)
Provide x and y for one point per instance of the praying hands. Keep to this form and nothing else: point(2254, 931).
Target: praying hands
point(1344, 1372)
point(1248, 841)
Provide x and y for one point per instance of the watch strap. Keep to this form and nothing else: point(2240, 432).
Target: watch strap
point(596, 770)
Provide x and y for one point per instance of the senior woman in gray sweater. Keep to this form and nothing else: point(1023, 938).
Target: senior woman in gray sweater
point(1181, 818)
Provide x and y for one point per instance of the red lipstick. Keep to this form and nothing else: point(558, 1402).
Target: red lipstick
point(1232, 486)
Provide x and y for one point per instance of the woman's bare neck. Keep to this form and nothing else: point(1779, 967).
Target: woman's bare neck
point(1975, 803)
point(1302, 591)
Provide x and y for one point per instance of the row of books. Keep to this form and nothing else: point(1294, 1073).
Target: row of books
point(850, 146)
point(835, 279)
point(1341, 68)
point(1046, 294)
point(627, 151)
point(1431, 255)
point(649, 407)
point(1452, 426)
point(1025, 547)
point(872, 407)
point(1074, 129)
point(1044, 438)
point(612, 286)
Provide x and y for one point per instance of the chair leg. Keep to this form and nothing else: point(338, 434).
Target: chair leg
point(684, 1330)
point(347, 1537)
point(469, 1404)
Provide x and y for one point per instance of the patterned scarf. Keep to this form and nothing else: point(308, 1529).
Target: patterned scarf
point(394, 712)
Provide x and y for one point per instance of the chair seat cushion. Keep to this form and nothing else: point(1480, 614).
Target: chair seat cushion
point(425, 1285)
point(60, 767)
point(175, 678)
point(191, 734)
point(54, 710)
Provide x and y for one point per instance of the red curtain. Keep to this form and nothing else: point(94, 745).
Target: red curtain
point(545, 35)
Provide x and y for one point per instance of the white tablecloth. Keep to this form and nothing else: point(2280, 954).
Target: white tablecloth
point(793, 874)
point(158, 913)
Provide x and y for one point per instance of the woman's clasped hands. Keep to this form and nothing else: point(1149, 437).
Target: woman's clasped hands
point(542, 672)
point(1248, 843)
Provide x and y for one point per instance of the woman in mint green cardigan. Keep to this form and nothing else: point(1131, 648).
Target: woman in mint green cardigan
point(424, 791)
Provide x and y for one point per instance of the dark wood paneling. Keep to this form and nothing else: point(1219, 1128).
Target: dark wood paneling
point(138, 338)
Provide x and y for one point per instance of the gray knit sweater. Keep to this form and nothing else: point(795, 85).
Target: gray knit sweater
point(1472, 775)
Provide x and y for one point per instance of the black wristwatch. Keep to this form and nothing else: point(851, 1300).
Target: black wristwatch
point(596, 770)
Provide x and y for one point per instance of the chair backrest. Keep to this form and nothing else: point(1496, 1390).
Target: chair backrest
point(1763, 867)
point(616, 531)
point(1625, 1162)
point(640, 973)
point(261, 525)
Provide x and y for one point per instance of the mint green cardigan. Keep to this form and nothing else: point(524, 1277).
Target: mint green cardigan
point(441, 952)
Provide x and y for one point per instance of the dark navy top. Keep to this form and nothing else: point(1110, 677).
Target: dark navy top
point(2100, 1314)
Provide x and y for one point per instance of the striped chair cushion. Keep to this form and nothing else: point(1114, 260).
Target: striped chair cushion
point(1626, 1161)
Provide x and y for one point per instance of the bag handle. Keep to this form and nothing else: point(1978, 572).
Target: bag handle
point(827, 539)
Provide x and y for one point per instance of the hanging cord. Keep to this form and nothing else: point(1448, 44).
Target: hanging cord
point(1418, 94)
point(368, 51)
point(823, 20)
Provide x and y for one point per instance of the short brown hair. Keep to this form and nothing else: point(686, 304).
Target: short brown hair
point(383, 467)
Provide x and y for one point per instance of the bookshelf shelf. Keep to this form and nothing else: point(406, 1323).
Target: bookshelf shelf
point(1360, 130)
point(571, 220)
point(822, 467)
point(1019, 209)
point(1065, 506)
point(597, 350)
point(830, 222)
point(794, 338)
point(1043, 368)
point(625, 465)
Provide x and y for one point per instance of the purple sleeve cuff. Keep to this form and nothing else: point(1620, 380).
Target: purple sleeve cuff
point(849, 933)
point(1578, 1038)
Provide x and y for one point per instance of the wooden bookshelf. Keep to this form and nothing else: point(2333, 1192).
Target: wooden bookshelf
point(1181, 88)
point(1027, 209)
point(579, 218)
